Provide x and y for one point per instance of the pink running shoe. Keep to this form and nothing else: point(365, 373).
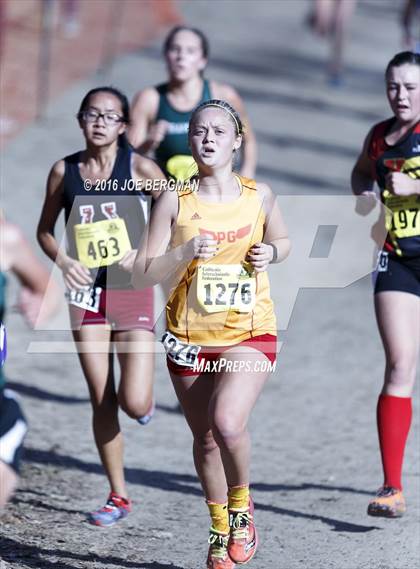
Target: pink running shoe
point(243, 540)
point(117, 508)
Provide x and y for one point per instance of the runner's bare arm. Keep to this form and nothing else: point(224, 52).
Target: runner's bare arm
point(75, 274)
point(154, 244)
point(275, 230)
point(143, 113)
point(148, 173)
point(154, 263)
point(53, 204)
point(362, 180)
point(147, 169)
point(32, 275)
point(275, 246)
point(362, 176)
point(21, 259)
point(249, 147)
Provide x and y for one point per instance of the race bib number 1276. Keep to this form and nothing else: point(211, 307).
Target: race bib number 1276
point(226, 287)
point(179, 352)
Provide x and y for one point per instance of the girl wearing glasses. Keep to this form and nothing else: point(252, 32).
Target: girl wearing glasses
point(160, 115)
point(104, 223)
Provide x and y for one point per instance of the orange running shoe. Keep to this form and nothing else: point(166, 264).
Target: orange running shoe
point(389, 502)
point(243, 540)
point(218, 557)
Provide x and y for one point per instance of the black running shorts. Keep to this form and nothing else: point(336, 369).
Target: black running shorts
point(398, 274)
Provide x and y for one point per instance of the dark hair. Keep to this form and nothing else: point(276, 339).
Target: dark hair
point(203, 39)
point(401, 59)
point(230, 111)
point(125, 106)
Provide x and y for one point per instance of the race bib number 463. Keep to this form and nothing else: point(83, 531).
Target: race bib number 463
point(101, 243)
point(226, 287)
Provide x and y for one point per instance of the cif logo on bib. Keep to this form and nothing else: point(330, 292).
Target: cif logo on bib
point(3, 343)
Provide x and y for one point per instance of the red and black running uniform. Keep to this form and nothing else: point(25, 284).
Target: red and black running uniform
point(104, 220)
point(399, 266)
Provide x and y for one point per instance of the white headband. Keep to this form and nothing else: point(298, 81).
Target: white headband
point(228, 111)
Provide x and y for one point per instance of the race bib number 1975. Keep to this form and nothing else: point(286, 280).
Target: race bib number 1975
point(403, 219)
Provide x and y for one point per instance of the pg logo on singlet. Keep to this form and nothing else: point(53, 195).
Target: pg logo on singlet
point(221, 288)
point(101, 243)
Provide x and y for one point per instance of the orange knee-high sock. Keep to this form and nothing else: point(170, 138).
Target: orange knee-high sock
point(394, 420)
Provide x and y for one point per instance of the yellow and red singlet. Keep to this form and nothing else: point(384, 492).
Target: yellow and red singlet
point(221, 301)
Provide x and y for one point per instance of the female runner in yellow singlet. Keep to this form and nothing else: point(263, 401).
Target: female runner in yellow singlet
point(221, 327)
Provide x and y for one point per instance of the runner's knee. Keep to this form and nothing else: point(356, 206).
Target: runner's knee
point(401, 372)
point(205, 442)
point(137, 407)
point(227, 429)
point(104, 407)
